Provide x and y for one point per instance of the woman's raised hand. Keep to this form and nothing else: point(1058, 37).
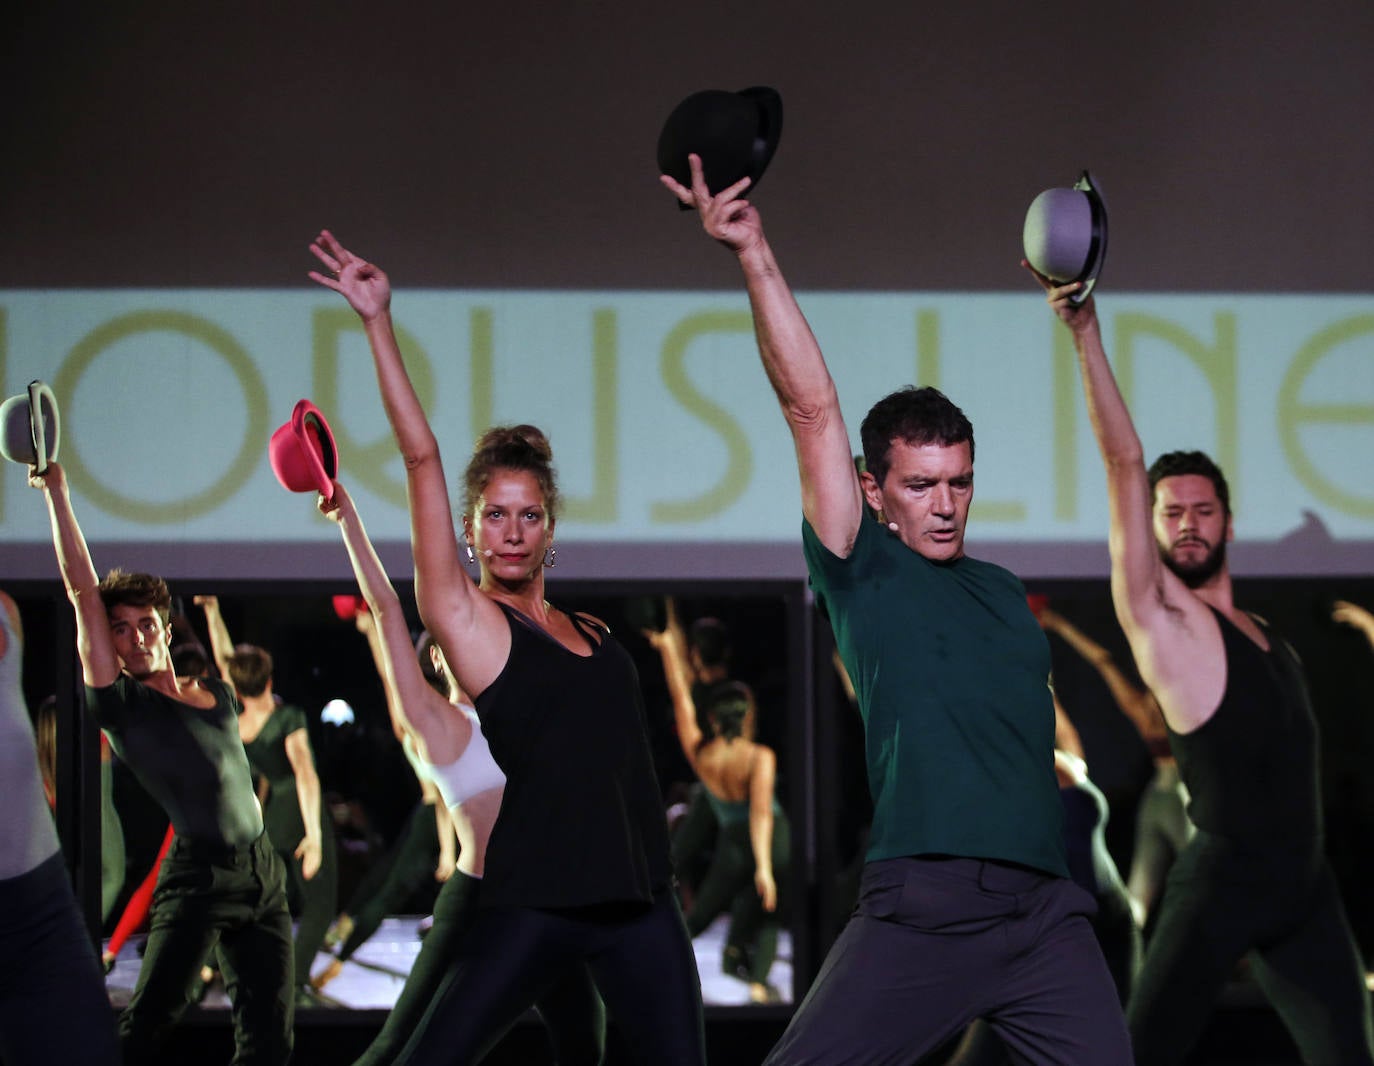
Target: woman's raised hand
point(364, 285)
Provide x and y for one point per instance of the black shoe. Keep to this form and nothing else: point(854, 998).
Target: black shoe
point(735, 962)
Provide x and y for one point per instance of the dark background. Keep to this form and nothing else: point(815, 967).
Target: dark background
point(157, 144)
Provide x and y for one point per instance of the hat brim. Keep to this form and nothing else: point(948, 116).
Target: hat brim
point(316, 442)
point(1097, 249)
point(42, 404)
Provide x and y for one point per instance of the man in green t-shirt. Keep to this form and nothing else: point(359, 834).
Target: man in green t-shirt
point(965, 909)
point(220, 882)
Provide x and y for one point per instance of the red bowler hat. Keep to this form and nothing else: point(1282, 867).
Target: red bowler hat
point(303, 454)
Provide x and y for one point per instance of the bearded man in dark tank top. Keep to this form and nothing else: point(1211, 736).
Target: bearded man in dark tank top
point(1254, 880)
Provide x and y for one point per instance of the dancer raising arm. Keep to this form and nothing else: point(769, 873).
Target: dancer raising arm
point(951, 674)
point(277, 739)
point(737, 775)
point(447, 740)
point(221, 882)
point(1254, 877)
point(577, 866)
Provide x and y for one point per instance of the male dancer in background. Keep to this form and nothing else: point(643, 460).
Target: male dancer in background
point(221, 880)
point(1254, 878)
point(965, 908)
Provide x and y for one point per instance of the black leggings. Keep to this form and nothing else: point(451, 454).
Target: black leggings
point(729, 882)
point(312, 902)
point(406, 866)
point(53, 1006)
point(571, 1009)
point(639, 955)
point(1286, 911)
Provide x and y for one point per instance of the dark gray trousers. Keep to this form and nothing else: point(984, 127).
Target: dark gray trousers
point(935, 943)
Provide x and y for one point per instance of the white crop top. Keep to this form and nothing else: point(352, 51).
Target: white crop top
point(472, 772)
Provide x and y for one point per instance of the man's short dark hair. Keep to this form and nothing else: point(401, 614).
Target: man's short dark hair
point(1179, 464)
point(190, 660)
point(711, 640)
point(250, 669)
point(122, 588)
point(914, 416)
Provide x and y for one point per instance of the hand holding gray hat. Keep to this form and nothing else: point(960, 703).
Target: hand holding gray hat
point(30, 428)
point(1065, 236)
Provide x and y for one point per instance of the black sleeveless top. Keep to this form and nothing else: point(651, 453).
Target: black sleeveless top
point(582, 819)
point(1252, 768)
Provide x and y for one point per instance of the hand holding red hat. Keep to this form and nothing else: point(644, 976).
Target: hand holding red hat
point(302, 452)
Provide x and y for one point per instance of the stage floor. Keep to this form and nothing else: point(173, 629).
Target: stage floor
point(1244, 1031)
point(372, 978)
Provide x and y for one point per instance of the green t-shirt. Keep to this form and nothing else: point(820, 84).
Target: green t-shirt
point(951, 672)
point(267, 756)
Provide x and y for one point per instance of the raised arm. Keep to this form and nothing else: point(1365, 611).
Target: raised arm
point(1161, 618)
point(831, 498)
point(440, 733)
point(310, 850)
point(672, 646)
point(455, 612)
point(1135, 703)
point(94, 644)
point(1355, 616)
point(221, 647)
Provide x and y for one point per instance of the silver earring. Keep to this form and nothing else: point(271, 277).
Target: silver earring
point(550, 554)
point(468, 554)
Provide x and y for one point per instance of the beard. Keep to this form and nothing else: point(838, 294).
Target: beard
point(1196, 574)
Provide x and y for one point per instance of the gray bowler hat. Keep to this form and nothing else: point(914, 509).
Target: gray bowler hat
point(1065, 237)
point(30, 429)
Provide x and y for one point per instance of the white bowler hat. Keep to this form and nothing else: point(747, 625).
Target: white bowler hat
point(30, 428)
point(1065, 236)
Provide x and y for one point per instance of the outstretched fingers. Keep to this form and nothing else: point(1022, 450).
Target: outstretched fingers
point(335, 257)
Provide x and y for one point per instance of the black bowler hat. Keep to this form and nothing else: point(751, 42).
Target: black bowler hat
point(1065, 236)
point(735, 134)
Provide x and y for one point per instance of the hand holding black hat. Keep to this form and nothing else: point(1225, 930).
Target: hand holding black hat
point(1077, 316)
point(726, 217)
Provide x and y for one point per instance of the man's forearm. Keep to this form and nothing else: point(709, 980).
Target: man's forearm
point(791, 355)
point(73, 557)
point(1111, 421)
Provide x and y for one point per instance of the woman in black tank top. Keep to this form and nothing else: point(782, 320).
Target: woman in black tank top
point(577, 868)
